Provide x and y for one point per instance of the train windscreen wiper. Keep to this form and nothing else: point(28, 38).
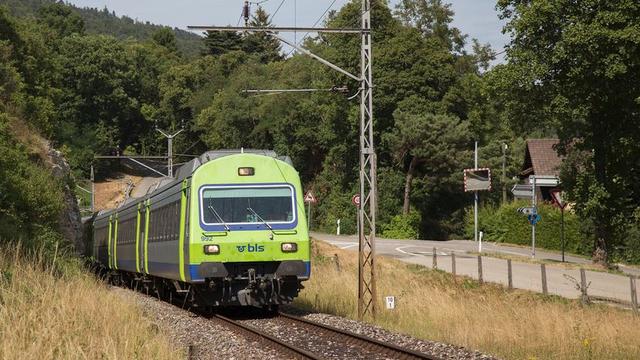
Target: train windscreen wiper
point(261, 219)
point(215, 213)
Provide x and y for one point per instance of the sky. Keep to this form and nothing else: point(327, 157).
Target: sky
point(477, 18)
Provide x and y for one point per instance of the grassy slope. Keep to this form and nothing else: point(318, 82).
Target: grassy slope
point(510, 324)
point(62, 312)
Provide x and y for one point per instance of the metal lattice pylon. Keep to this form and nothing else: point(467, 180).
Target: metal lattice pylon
point(368, 183)
point(368, 195)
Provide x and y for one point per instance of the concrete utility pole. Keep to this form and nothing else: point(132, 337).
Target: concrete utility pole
point(367, 176)
point(169, 149)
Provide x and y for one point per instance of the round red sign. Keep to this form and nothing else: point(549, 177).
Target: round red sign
point(355, 199)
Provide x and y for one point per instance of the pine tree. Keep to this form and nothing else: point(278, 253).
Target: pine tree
point(221, 42)
point(265, 45)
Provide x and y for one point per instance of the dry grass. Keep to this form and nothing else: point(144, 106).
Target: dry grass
point(49, 313)
point(508, 324)
point(110, 192)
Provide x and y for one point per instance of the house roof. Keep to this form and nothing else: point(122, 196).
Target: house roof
point(541, 158)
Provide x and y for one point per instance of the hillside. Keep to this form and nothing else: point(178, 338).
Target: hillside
point(108, 23)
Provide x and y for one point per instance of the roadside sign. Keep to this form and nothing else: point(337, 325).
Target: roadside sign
point(521, 191)
point(534, 218)
point(557, 196)
point(309, 198)
point(544, 180)
point(390, 302)
point(528, 210)
point(355, 199)
point(477, 179)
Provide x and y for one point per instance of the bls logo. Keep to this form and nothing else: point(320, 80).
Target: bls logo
point(250, 248)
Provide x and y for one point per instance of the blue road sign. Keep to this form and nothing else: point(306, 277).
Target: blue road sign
point(534, 218)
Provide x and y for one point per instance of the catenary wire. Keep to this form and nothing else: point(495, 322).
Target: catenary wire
point(314, 25)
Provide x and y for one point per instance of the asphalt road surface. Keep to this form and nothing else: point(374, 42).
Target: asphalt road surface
point(560, 281)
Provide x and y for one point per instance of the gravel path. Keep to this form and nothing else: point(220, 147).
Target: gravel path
point(208, 339)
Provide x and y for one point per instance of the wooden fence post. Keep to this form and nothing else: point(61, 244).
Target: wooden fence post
point(453, 263)
point(435, 258)
point(583, 287)
point(480, 269)
point(634, 295)
point(543, 271)
point(510, 274)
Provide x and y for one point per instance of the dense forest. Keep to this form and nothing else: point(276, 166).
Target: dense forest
point(105, 22)
point(92, 83)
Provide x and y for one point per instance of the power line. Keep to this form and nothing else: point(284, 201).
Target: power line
point(314, 25)
point(278, 9)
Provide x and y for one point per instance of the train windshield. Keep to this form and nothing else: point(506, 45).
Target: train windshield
point(246, 205)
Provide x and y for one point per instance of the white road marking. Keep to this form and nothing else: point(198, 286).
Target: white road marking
point(343, 244)
point(417, 253)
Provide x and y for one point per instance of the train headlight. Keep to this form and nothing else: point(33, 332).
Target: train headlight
point(211, 249)
point(246, 171)
point(289, 247)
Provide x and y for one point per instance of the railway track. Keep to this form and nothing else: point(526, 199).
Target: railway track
point(321, 341)
point(260, 336)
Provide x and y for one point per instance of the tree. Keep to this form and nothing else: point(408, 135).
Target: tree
point(62, 18)
point(221, 42)
point(422, 138)
point(433, 19)
point(578, 64)
point(265, 45)
point(167, 38)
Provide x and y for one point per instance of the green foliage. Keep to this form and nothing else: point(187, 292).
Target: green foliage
point(221, 42)
point(505, 224)
point(575, 64)
point(105, 22)
point(30, 198)
point(62, 19)
point(264, 45)
point(167, 38)
point(403, 226)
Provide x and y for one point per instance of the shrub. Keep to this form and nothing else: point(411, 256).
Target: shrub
point(403, 226)
point(506, 224)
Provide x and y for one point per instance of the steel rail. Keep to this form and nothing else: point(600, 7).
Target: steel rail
point(294, 351)
point(396, 352)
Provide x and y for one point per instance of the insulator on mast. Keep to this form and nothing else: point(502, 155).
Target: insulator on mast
point(245, 13)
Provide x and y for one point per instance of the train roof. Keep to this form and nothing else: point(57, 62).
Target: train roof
point(188, 169)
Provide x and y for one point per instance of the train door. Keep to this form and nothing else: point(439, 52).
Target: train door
point(110, 243)
point(142, 212)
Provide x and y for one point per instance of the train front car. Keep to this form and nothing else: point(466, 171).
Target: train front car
point(248, 238)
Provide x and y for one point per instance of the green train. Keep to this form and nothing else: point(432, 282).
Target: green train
point(228, 230)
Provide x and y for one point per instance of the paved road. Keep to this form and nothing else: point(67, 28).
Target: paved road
point(525, 275)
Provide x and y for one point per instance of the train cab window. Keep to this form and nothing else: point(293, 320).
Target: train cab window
point(246, 205)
